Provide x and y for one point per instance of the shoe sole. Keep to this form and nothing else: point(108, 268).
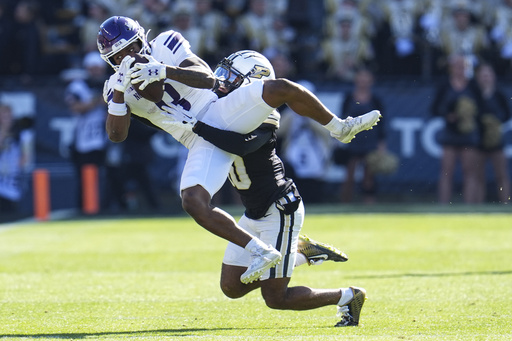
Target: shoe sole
point(351, 136)
point(249, 278)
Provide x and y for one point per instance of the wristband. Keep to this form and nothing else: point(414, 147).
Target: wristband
point(117, 109)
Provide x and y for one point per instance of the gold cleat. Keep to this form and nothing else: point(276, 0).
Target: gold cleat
point(317, 252)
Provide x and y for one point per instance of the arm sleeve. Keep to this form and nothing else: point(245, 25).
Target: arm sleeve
point(231, 142)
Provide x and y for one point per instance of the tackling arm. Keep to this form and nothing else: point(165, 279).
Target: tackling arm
point(231, 142)
point(193, 72)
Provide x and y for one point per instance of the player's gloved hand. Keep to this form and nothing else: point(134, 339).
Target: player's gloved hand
point(149, 72)
point(179, 119)
point(123, 74)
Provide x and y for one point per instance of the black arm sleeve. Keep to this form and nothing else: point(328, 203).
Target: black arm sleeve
point(231, 142)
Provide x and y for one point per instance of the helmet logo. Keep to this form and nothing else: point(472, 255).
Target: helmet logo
point(259, 71)
point(119, 43)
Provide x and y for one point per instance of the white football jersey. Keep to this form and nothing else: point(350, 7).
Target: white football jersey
point(242, 111)
point(169, 48)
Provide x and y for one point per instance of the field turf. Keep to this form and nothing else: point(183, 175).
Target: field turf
point(428, 277)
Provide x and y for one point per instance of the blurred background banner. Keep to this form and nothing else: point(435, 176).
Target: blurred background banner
point(413, 138)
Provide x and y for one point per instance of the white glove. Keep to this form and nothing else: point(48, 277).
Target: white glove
point(149, 72)
point(123, 74)
point(180, 120)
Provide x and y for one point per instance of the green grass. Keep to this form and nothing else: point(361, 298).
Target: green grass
point(428, 277)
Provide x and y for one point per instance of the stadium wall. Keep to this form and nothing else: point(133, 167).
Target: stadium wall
point(412, 136)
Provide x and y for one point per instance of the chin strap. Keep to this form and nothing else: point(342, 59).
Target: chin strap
point(217, 84)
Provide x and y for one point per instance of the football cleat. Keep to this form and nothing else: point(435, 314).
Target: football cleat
point(262, 260)
point(355, 125)
point(350, 312)
point(317, 252)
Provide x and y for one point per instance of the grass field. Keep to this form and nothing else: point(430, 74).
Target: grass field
point(428, 277)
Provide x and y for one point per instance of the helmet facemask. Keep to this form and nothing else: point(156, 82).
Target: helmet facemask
point(239, 68)
point(229, 78)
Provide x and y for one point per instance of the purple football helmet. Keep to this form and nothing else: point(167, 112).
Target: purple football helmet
point(115, 34)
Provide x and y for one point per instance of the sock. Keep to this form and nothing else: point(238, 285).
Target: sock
point(346, 296)
point(255, 244)
point(335, 125)
point(300, 259)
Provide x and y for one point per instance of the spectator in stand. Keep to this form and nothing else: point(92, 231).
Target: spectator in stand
point(90, 139)
point(458, 102)
point(345, 53)
point(283, 66)
point(356, 102)
point(97, 11)
point(306, 150)
point(501, 36)
point(462, 36)
point(256, 26)
point(115, 192)
point(362, 25)
point(137, 156)
point(26, 41)
point(183, 22)
point(6, 32)
point(96, 71)
point(11, 162)
point(154, 15)
point(212, 24)
point(399, 47)
point(495, 112)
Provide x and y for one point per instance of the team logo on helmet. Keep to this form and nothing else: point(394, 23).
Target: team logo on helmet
point(259, 72)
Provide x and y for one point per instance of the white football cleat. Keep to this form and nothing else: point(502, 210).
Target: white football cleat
point(354, 125)
point(262, 260)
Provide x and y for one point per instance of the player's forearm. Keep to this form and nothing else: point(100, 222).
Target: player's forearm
point(232, 142)
point(118, 118)
point(117, 127)
point(196, 77)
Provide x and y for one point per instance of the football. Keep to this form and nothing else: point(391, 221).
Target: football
point(153, 92)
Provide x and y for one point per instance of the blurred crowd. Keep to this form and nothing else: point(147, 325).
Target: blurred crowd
point(464, 44)
point(325, 39)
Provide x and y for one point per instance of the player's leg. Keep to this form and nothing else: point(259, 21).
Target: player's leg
point(196, 202)
point(230, 283)
point(205, 172)
point(274, 283)
point(234, 264)
point(282, 225)
point(278, 295)
point(242, 111)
